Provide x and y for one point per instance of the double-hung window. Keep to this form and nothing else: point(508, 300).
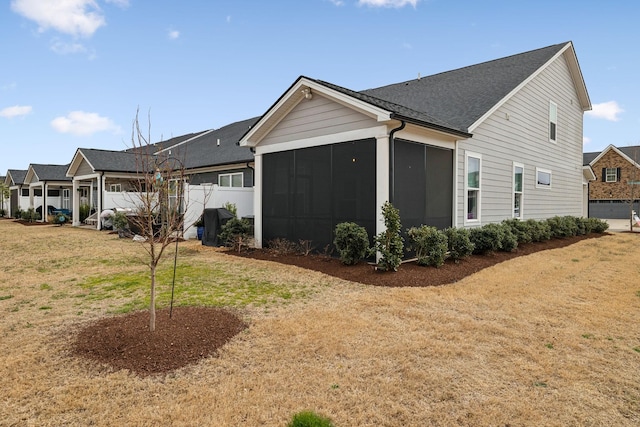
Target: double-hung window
point(231, 180)
point(611, 174)
point(115, 188)
point(518, 173)
point(473, 164)
point(553, 121)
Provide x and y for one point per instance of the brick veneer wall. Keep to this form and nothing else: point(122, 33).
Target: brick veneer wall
point(619, 190)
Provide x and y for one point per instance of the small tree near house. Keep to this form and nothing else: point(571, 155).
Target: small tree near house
point(159, 201)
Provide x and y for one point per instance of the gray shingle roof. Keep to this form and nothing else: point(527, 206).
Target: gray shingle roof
point(110, 161)
point(458, 98)
point(588, 157)
point(633, 152)
point(51, 172)
point(17, 175)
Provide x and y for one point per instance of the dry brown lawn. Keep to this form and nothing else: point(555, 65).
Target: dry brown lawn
point(550, 339)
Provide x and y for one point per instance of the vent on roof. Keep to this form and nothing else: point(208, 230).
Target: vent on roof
point(218, 142)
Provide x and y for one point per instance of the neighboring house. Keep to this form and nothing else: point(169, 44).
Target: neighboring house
point(19, 198)
point(49, 188)
point(109, 179)
point(615, 188)
point(463, 148)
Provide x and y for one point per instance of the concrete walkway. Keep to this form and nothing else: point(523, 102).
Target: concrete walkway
point(618, 225)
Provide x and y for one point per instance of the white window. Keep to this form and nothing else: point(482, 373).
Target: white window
point(231, 180)
point(543, 178)
point(518, 173)
point(66, 198)
point(611, 174)
point(473, 165)
point(115, 188)
point(553, 121)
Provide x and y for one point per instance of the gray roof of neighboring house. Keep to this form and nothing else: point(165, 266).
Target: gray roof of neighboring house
point(51, 172)
point(633, 152)
point(110, 161)
point(216, 147)
point(17, 176)
point(458, 98)
point(161, 145)
point(588, 157)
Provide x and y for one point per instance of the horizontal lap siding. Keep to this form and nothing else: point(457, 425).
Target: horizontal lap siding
point(317, 117)
point(84, 169)
point(518, 132)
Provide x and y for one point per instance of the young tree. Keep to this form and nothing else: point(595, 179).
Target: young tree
point(159, 201)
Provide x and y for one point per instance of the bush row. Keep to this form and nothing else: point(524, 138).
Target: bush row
point(433, 247)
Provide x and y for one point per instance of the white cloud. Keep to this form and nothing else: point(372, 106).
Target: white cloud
point(74, 17)
point(120, 3)
point(388, 3)
point(586, 140)
point(337, 2)
point(10, 86)
point(82, 124)
point(63, 48)
point(606, 110)
point(15, 111)
point(173, 34)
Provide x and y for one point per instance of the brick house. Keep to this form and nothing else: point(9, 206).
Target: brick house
point(617, 182)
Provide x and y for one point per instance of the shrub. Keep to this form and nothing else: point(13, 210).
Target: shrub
point(597, 225)
point(389, 243)
point(309, 419)
point(30, 215)
point(540, 230)
point(18, 213)
point(562, 226)
point(2, 212)
point(429, 243)
point(509, 241)
point(459, 243)
point(487, 238)
point(352, 242)
point(59, 219)
point(84, 212)
point(520, 229)
point(231, 207)
point(234, 233)
point(282, 246)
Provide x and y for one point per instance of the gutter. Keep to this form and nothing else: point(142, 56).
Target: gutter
point(392, 150)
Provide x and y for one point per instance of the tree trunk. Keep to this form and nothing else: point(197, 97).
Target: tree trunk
point(152, 304)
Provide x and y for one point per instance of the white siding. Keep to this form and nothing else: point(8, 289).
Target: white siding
point(518, 132)
point(84, 169)
point(317, 117)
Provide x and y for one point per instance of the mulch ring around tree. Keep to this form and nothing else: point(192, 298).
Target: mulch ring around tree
point(124, 342)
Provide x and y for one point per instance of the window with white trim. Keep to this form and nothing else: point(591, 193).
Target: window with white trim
point(611, 174)
point(518, 174)
point(553, 121)
point(231, 179)
point(473, 164)
point(115, 188)
point(543, 178)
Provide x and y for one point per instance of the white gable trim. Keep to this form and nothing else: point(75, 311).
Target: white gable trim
point(575, 73)
point(296, 94)
point(76, 162)
point(614, 148)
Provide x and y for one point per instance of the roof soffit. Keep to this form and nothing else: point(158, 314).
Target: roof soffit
point(296, 94)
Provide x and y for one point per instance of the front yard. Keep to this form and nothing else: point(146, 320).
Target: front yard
point(551, 338)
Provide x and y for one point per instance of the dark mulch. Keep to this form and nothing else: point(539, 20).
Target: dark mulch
point(191, 334)
point(124, 342)
point(409, 273)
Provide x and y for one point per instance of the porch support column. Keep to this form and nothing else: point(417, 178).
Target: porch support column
point(382, 181)
point(257, 200)
point(75, 209)
point(101, 181)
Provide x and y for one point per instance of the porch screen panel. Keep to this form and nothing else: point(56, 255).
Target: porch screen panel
point(439, 187)
point(312, 196)
point(410, 176)
point(354, 183)
point(276, 194)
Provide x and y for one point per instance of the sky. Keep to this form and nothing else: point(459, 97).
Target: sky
point(77, 73)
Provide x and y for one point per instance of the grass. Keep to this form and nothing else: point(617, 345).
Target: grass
point(477, 352)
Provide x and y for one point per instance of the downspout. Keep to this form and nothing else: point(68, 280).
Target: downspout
point(392, 150)
point(253, 174)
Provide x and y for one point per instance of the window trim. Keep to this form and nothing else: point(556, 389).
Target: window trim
point(467, 188)
point(553, 122)
point(615, 174)
point(547, 171)
point(231, 175)
point(112, 188)
point(514, 192)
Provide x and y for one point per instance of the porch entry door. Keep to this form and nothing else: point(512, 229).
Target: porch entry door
point(423, 184)
point(66, 198)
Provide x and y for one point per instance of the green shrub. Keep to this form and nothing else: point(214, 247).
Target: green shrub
point(509, 241)
point(389, 243)
point(581, 226)
point(30, 215)
point(459, 243)
point(84, 212)
point(520, 229)
point(352, 242)
point(430, 245)
point(60, 219)
point(540, 230)
point(234, 232)
point(2, 212)
point(597, 225)
point(18, 213)
point(562, 226)
point(309, 419)
point(231, 207)
point(487, 238)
